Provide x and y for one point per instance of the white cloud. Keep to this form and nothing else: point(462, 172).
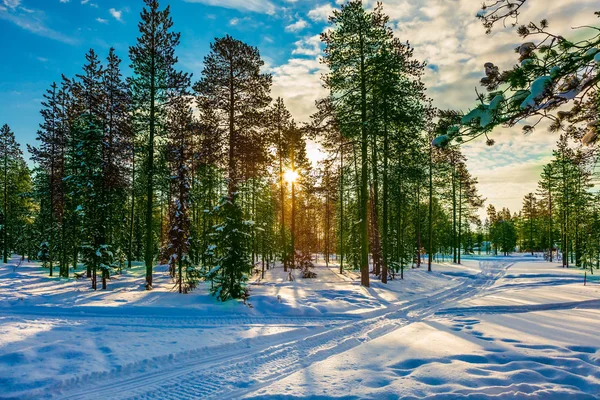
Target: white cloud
point(238, 21)
point(12, 3)
point(260, 6)
point(64, 1)
point(309, 46)
point(297, 26)
point(511, 168)
point(298, 82)
point(321, 13)
point(102, 20)
point(31, 20)
point(117, 14)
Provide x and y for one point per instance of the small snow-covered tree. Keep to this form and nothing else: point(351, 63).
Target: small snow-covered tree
point(44, 254)
point(232, 265)
point(100, 258)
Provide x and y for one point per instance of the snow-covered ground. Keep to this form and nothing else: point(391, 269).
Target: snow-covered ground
point(493, 327)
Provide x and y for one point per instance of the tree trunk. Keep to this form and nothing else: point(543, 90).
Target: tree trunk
point(131, 215)
point(418, 226)
point(341, 207)
point(459, 218)
point(149, 256)
point(376, 242)
point(430, 216)
point(4, 228)
point(293, 230)
point(454, 258)
point(364, 196)
point(385, 233)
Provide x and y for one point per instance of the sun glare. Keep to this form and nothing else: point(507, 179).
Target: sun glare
point(290, 176)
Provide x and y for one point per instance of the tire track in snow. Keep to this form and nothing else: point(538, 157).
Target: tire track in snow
point(234, 371)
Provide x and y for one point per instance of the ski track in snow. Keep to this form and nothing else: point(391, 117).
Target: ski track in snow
point(234, 370)
point(515, 309)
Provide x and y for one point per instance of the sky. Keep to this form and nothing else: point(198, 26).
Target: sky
point(42, 39)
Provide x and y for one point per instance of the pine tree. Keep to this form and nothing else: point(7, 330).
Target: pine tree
point(280, 122)
point(117, 144)
point(89, 135)
point(180, 130)
point(529, 214)
point(545, 191)
point(231, 265)
point(153, 62)
point(10, 154)
point(81, 97)
point(21, 210)
point(235, 89)
point(350, 51)
point(49, 156)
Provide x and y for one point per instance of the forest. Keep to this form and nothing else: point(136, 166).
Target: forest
point(427, 226)
point(210, 174)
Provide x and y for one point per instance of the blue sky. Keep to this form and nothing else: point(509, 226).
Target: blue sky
point(42, 39)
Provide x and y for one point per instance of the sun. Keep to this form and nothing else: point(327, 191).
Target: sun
point(290, 176)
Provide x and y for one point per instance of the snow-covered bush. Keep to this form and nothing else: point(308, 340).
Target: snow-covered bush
point(304, 262)
point(44, 254)
point(99, 258)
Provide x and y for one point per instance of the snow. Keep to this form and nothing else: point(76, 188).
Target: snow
point(440, 141)
point(526, 62)
point(591, 52)
point(493, 327)
point(538, 89)
point(485, 113)
point(496, 101)
point(509, 351)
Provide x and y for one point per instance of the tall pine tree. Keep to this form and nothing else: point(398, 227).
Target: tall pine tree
point(153, 62)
